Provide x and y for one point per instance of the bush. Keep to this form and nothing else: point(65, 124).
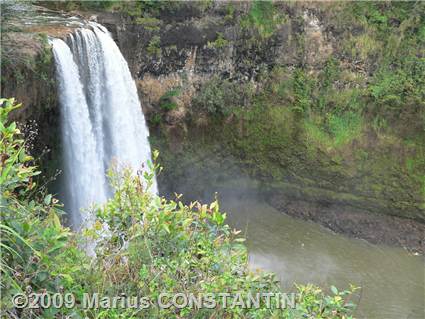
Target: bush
point(167, 101)
point(219, 42)
point(404, 86)
point(37, 252)
point(154, 48)
point(155, 119)
point(221, 97)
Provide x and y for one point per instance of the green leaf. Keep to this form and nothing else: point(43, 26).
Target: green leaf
point(166, 228)
point(42, 276)
point(12, 127)
point(48, 199)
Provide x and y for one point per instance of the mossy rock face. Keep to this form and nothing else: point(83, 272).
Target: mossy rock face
point(274, 151)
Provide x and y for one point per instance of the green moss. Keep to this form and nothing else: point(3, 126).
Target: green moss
point(415, 166)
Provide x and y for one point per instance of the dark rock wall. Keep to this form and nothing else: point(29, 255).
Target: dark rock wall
point(189, 53)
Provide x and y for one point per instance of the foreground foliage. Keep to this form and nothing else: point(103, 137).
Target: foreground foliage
point(145, 246)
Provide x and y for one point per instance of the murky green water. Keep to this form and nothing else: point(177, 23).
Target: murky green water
point(392, 280)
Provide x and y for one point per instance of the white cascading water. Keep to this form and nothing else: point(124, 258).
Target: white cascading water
point(102, 120)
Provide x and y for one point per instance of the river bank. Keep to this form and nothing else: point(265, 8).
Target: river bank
point(375, 228)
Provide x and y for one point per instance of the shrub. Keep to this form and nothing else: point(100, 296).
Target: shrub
point(150, 23)
point(37, 252)
point(302, 87)
point(401, 87)
point(154, 48)
point(167, 101)
point(218, 43)
point(221, 97)
point(155, 119)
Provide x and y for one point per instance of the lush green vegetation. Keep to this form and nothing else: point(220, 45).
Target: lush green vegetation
point(145, 245)
point(374, 74)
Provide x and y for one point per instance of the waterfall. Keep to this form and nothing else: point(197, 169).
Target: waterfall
point(101, 117)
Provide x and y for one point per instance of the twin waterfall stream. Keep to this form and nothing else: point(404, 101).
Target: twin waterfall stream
point(101, 117)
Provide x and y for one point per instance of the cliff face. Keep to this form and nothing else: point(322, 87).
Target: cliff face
point(184, 47)
point(187, 59)
point(299, 96)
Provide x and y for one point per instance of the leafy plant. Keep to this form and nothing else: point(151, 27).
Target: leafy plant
point(219, 43)
point(302, 91)
point(220, 96)
point(173, 247)
point(155, 119)
point(230, 12)
point(154, 48)
point(35, 247)
point(167, 101)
